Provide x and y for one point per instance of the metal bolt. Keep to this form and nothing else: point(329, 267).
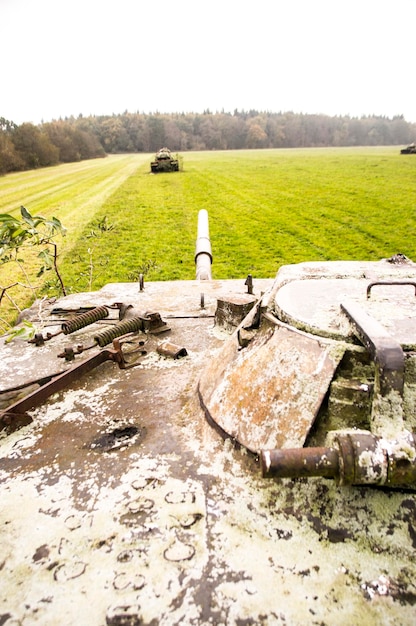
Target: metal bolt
point(249, 283)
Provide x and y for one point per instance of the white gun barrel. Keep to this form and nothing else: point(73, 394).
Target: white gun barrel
point(203, 253)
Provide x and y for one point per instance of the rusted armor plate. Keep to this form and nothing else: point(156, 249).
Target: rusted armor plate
point(268, 394)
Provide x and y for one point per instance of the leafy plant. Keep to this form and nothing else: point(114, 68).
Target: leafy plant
point(26, 331)
point(16, 235)
point(102, 226)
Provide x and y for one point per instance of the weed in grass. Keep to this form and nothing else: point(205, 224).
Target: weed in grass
point(27, 233)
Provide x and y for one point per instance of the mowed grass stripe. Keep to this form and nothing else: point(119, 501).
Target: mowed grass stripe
point(72, 192)
point(53, 189)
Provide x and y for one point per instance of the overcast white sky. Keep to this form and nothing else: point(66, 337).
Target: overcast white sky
point(339, 57)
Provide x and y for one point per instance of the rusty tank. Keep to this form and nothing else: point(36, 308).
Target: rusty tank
point(214, 452)
point(164, 162)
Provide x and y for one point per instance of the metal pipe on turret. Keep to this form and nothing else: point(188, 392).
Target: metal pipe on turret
point(203, 253)
point(356, 458)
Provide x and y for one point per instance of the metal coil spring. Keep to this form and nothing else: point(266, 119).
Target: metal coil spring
point(122, 328)
point(85, 319)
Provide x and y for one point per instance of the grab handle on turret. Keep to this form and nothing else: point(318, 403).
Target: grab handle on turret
point(203, 253)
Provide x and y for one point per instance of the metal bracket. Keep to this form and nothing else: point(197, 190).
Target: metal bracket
point(385, 350)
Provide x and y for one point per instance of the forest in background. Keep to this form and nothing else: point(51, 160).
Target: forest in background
point(29, 146)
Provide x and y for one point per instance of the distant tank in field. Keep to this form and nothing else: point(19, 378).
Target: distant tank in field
point(164, 162)
point(411, 149)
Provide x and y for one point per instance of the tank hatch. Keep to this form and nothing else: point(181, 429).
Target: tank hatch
point(314, 305)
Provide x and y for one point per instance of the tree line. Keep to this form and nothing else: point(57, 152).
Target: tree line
point(74, 139)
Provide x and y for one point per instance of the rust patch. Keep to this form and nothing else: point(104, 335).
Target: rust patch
point(268, 394)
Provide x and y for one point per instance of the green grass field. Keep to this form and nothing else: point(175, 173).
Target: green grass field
point(266, 208)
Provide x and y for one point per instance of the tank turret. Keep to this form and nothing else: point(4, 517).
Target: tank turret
point(326, 359)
